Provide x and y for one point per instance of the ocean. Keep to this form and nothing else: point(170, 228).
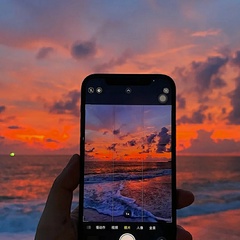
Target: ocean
point(113, 187)
point(215, 182)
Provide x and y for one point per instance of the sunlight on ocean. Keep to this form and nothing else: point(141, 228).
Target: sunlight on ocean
point(215, 181)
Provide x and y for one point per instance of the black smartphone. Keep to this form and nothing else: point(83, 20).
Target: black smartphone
point(128, 164)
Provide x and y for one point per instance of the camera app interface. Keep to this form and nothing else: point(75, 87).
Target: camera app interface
point(127, 173)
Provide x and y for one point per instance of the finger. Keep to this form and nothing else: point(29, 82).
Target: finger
point(182, 234)
point(74, 214)
point(74, 219)
point(184, 198)
point(58, 205)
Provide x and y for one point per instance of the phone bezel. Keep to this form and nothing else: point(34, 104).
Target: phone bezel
point(126, 80)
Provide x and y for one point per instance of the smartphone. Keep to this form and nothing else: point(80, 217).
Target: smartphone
point(128, 164)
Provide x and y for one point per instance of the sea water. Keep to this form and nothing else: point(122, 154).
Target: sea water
point(215, 182)
point(25, 182)
point(113, 187)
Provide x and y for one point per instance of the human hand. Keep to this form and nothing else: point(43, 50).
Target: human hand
point(58, 223)
point(184, 199)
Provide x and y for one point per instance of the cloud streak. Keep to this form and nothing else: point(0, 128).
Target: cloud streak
point(2, 108)
point(44, 52)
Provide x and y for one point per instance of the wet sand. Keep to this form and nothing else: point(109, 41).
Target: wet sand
point(221, 226)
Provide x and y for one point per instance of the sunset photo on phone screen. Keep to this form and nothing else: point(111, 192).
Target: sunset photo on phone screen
point(127, 173)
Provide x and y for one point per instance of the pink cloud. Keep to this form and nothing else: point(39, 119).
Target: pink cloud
point(204, 144)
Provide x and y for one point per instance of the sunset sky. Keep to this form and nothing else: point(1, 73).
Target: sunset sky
point(128, 132)
point(48, 47)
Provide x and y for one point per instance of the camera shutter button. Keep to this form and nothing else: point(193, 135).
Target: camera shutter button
point(127, 236)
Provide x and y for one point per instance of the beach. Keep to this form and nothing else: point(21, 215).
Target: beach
point(215, 182)
point(142, 189)
point(221, 226)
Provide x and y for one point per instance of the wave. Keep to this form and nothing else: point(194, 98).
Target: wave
point(212, 202)
point(110, 177)
point(107, 199)
point(4, 198)
point(208, 208)
point(20, 217)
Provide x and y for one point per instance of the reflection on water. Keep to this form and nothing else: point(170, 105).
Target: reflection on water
point(215, 181)
point(134, 186)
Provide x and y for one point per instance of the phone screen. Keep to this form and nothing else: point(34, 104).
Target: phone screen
point(128, 158)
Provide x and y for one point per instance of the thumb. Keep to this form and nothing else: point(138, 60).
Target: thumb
point(58, 205)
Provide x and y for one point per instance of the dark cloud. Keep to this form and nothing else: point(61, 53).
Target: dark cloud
point(112, 147)
point(116, 131)
point(132, 143)
point(196, 118)
point(44, 52)
point(151, 138)
point(2, 137)
point(2, 108)
point(70, 104)
point(81, 50)
point(204, 144)
point(218, 82)
point(181, 101)
point(234, 115)
point(145, 151)
point(14, 127)
point(164, 139)
point(90, 150)
point(50, 140)
point(123, 136)
point(236, 58)
point(205, 72)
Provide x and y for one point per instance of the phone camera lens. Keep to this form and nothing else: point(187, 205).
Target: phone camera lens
point(162, 98)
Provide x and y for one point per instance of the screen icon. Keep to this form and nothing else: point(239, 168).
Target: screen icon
point(99, 90)
point(128, 90)
point(127, 213)
point(139, 227)
point(162, 98)
point(90, 90)
point(127, 236)
point(114, 227)
point(127, 227)
point(152, 228)
point(166, 90)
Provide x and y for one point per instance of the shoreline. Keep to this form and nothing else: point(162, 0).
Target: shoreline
point(222, 225)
